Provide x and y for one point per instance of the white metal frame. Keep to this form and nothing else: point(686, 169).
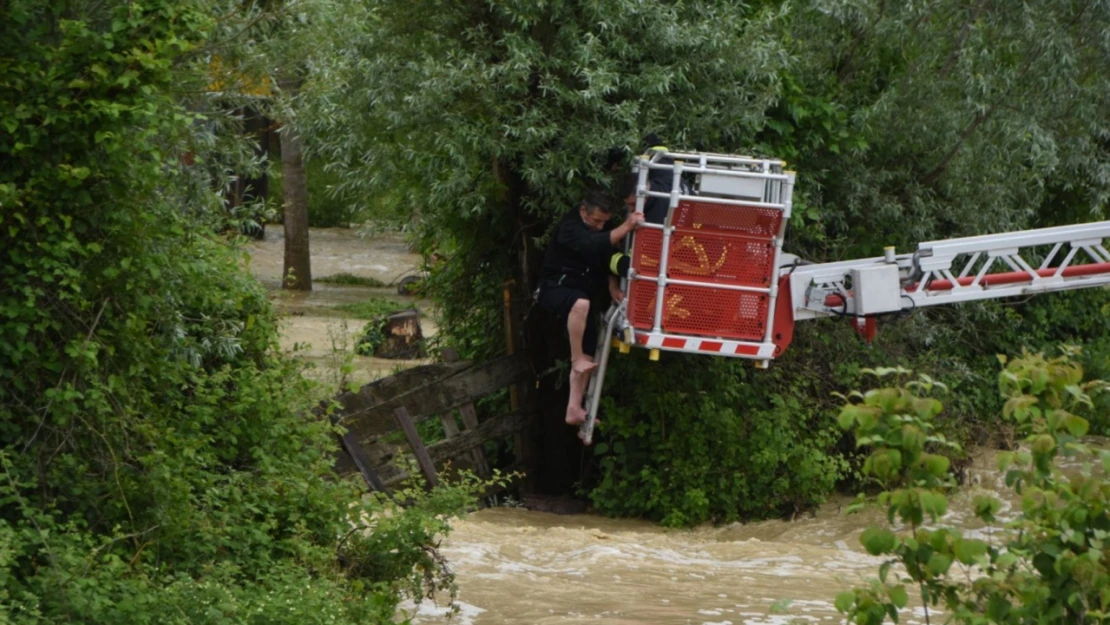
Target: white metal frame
point(965, 269)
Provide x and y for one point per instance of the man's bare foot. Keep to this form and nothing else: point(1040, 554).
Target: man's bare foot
point(583, 366)
point(575, 415)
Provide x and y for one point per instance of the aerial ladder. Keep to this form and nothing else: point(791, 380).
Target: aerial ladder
point(713, 278)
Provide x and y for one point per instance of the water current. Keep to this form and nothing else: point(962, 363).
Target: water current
point(518, 566)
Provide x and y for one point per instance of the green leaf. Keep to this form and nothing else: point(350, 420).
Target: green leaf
point(939, 564)
point(935, 464)
point(601, 448)
point(967, 550)
point(898, 596)
point(844, 601)
point(877, 540)
point(1077, 426)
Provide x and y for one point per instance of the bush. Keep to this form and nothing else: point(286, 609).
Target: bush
point(1050, 565)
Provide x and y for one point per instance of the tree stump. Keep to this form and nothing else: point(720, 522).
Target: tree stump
point(401, 336)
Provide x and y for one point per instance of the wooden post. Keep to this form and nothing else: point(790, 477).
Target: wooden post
point(510, 339)
point(522, 441)
point(427, 467)
point(469, 418)
point(362, 461)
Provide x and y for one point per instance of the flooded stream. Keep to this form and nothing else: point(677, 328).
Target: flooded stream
point(518, 566)
point(312, 327)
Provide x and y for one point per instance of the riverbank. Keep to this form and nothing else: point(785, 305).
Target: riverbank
point(314, 328)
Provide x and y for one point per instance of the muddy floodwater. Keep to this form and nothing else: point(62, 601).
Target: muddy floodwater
point(312, 327)
point(518, 566)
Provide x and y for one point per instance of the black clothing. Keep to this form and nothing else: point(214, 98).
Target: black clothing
point(576, 267)
point(661, 181)
point(559, 300)
point(578, 257)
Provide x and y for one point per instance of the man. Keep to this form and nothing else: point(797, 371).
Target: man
point(575, 277)
point(660, 181)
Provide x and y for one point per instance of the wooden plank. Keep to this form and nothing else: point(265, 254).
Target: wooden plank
point(442, 451)
point(450, 428)
point(397, 384)
point(470, 420)
point(369, 421)
point(362, 461)
point(427, 467)
point(496, 427)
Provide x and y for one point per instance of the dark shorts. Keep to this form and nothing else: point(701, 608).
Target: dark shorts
point(558, 300)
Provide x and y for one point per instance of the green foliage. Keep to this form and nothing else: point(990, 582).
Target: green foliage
point(349, 279)
point(905, 122)
point(158, 459)
point(1049, 566)
point(372, 308)
point(710, 449)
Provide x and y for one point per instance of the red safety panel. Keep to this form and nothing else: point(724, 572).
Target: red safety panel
point(749, 220)
point(646, 250)
point(714, 243)
point(700, 311)
point(704, 256)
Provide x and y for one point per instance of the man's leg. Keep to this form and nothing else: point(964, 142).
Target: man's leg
point(576, 327)
point(581, 365)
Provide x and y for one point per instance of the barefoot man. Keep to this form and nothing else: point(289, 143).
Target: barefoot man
point(576, 276)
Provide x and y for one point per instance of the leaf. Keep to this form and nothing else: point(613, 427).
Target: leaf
point(1077, 426)
point(845, 600)
point(967, 550)
point(898, 596)
point(934, 504)
point(936, 465)
point(877, 540)
point(601, 448)
point(939, 564)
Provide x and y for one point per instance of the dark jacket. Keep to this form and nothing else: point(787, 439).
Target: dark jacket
point(661, 181)
point(577, 256)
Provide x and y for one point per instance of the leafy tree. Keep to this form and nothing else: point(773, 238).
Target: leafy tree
point(494, 118)
point(156, 460)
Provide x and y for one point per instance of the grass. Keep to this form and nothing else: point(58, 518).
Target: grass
point(372, 308)
point(348, 279)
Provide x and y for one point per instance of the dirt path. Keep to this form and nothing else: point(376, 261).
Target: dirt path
point(313, 327)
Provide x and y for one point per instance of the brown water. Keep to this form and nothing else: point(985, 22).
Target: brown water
point(518, 566)
point(311, 327)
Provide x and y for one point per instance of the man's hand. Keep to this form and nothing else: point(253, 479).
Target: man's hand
point(615, 289)
point(631, 222)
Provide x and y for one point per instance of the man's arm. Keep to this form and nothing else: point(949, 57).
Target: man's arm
point(615, 289)
point(631, 222)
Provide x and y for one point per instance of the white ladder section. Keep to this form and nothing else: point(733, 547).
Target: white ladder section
point(983, 267)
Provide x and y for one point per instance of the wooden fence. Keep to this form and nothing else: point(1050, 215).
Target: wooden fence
point(444, 391)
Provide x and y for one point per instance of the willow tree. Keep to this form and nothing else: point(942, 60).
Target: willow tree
point(493, 117)
point(967, 117)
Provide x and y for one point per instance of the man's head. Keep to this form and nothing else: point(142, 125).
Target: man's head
point(595, 210)
point(626, 190)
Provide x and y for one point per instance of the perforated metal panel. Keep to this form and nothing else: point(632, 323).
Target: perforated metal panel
point(647, 249)
point(749, 220)
point(701, 311)
point(721, 258)
point(718, 244)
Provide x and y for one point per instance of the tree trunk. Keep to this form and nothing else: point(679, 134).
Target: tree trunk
point(558, 459)
point(298, 269)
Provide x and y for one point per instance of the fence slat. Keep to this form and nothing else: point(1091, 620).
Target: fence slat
point(427, 467)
